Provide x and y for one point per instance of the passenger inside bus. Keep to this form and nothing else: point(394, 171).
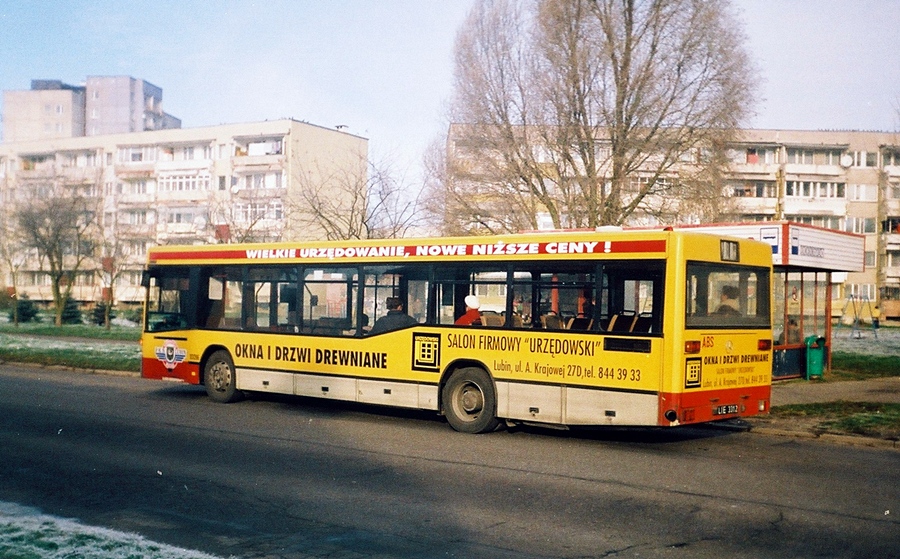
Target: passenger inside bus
point(395, 318)
point(729, 301)
point(472, 316)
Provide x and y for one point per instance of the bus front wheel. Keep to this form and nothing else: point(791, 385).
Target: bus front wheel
point(469, 401)
point(219, 378)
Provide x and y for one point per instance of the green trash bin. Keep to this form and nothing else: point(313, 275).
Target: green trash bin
point(815, 356)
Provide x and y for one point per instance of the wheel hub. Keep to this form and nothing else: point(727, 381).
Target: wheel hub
point(472, 400)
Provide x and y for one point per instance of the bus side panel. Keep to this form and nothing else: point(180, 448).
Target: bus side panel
point(601, 407)
point(166, 357)
point(159, 369)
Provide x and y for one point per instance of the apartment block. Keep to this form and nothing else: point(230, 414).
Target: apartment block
point(50, 109)
point(236, 182)
point(841, 180)
point(102, 105)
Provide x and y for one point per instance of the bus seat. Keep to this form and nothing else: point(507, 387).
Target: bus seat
point(643, 323)
point(490, 319)
point(622, 322)
point(580, 323)
point(551, 322)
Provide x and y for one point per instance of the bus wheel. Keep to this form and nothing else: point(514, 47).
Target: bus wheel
point(219, 378)
point(469, 401)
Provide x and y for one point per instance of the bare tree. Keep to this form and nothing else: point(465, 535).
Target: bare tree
point(115, 261)
point(588, 111)
point(344, 203)
point(248, 216)
point(14, 254)
point(61, 225)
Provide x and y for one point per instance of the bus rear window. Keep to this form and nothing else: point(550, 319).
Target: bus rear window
point(720, 296)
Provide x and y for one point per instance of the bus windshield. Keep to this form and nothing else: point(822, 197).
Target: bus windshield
point(727, 296)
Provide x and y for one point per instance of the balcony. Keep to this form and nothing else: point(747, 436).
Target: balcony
point(81, 175)
point(749, 205)
point(135, 170)
point(256, 163)
point(892, 242)
point(815, 206)
point(43, 172)
point(755, 171)
point(188, 166)
point(815, 170)
point(892, 275)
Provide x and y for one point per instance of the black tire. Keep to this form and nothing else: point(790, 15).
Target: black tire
point(469, 401)
point(219, 378)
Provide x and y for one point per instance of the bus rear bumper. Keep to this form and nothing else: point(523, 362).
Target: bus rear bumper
point(713, 405)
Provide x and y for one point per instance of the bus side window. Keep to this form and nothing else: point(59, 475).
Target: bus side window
point(216, 309)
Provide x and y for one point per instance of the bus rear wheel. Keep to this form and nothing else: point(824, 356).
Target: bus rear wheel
point(219, 378)
point(469, 401)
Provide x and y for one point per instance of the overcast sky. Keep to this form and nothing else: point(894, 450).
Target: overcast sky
point(384, 68)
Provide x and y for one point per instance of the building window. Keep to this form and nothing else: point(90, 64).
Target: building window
point(862, 291)
point(892, 259)
point(870, 259)
point(251, 212)
point(183, 183)
point(864, 192)
point(138, 217)
point(181, 215)
point(865, 159)
point(861, 225)
point(799, 156)
point(890, 158)
point(893, 191)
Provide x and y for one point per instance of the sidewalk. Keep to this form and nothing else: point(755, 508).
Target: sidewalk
point(809, 392)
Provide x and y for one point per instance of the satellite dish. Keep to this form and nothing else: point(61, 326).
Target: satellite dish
point(199, 222)
point(846, 160)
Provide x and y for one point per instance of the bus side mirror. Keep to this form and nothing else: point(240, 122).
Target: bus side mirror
point(145, 279)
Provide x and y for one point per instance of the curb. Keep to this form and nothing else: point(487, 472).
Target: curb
point(849, 440)
point(107, 372)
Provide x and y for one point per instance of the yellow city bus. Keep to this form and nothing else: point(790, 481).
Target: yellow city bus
point(615, 328)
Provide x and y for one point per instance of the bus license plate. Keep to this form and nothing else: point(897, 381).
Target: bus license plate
point(725, 410)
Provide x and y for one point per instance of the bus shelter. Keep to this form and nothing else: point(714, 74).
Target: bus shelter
point(808, 261)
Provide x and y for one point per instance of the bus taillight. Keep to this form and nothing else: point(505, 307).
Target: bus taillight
point(692, 346)
point(764, 345)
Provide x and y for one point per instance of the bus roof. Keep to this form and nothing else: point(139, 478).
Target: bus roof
point(529, 246)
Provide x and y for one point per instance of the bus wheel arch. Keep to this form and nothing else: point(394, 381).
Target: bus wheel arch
point(219, 375)
point(469, 398)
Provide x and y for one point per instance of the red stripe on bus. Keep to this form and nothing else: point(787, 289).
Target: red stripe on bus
point(198, 255)
point(601, 247)
point(638, 246)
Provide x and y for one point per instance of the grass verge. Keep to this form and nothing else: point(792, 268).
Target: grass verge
point(121, 333)
point(99, 355)
point(857, 366)
point(868, 419)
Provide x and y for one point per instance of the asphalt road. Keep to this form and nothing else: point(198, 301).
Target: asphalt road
point(291, 478)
